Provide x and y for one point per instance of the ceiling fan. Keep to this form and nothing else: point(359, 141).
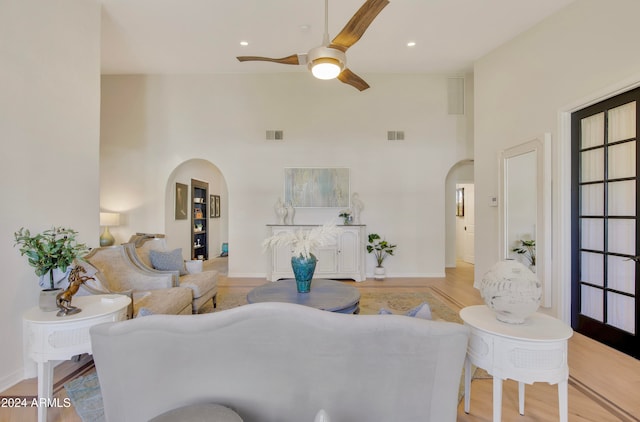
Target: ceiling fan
point(329, 61)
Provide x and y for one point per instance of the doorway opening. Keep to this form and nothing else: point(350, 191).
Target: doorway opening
point(215, 207)
point(459, 214)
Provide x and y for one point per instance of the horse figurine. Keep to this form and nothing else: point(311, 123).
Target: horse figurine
point(63, 300)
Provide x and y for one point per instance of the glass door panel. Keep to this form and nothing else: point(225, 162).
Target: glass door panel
point(592, 303)
point(621, 237)
point(592, 165)
point(622, 122)
point(592, 265)
point(622, 160)
point(620, 312)
point(592, 129)
point(592, 199)
point(621, 199)
point(592, 234)
point(621, 272)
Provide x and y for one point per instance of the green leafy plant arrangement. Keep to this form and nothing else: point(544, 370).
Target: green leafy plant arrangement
point(51, 249)
point(527, 248)
point(379, 247)
point(346, 215)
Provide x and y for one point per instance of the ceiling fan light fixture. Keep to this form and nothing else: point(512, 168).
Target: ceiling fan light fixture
point(326, 68)
point(328, 60)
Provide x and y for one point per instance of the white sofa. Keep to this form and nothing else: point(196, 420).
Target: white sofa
point(276, 362)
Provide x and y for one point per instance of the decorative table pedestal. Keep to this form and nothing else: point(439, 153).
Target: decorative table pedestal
point(327, 295)
point(531, 352)
point(49, 338)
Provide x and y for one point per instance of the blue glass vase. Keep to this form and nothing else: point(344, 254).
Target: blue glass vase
point(303, 269)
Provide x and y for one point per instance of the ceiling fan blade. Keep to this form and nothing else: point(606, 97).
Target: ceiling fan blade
point(355, 28)
point(293, 59)
point(350, 78)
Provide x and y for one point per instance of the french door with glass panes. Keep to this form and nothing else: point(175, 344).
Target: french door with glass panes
point(605, 222)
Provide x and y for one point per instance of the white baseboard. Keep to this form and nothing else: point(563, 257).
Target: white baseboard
point(411, 275)
point(12, 379)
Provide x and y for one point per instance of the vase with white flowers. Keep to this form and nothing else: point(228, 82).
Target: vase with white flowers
point(302, 243)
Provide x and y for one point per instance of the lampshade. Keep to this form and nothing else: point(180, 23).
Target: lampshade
point(326, 68)
point(109, 219)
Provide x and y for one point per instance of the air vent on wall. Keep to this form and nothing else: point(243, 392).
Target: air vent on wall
point(275, 135)
point(395, 135)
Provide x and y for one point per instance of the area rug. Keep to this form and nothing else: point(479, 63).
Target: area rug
point(84, 391)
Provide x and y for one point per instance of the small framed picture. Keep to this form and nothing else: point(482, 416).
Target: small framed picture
point(460, 202)
point(182, 194)
point(214, 204)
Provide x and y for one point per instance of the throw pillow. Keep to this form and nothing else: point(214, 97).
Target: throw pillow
point(144, 312)
point(168, 261)
point(421, 311)
point(194, 266)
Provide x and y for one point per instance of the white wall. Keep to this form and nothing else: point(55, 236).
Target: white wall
point(151, 124)
point(524, 89)
point(49, 127)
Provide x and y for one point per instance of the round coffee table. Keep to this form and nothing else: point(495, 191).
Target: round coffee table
point(327, 295)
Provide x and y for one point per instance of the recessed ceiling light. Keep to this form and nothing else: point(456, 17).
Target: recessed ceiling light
point(244, 43)
point(411, 44)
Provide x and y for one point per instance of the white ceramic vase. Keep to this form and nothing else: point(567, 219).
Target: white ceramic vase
point(511, 290)
point(379, 273)
point(281, 211)
point(291, 212)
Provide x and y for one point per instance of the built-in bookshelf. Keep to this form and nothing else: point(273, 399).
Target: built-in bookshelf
point(199, 221)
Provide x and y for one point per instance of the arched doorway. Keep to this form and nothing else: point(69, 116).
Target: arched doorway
point(179, 230)
point(459, 223)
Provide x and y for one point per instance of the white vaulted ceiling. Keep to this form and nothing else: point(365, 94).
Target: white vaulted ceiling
point(203, 36)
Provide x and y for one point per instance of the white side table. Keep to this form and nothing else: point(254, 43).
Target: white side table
point(531, 352)
point(49, 338)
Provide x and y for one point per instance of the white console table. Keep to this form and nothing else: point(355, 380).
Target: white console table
point(344, 259)
point(534, 351)
point(50, 338)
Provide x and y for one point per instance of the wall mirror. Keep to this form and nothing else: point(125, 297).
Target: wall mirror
point(525, 207)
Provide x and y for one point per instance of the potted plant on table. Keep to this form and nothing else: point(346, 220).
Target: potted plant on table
point(302, 243)
point(346, 216)
point(527, 249)
point(381, 249)
point(50, 252)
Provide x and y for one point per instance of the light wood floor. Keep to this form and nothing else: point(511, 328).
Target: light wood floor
point(603, 384)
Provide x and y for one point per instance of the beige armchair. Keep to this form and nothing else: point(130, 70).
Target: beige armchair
point(204, 285)
point(114, 272)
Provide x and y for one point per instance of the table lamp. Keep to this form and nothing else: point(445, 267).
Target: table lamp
point(108, 219)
